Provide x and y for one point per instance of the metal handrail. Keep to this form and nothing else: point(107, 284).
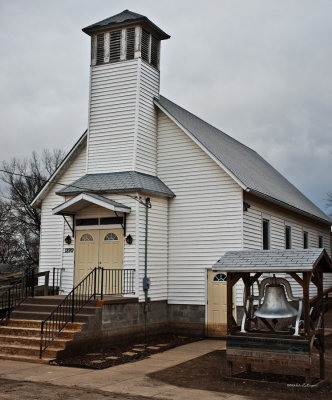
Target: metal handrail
point(56, 279)
point(16, 293)
point(99, 282)
point(65, 312)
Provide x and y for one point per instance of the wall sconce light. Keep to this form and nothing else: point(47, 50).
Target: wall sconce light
point(68, 239)
point(129, 239)
point(246, 206)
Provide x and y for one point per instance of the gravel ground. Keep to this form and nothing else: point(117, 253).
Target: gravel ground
point(18, 390)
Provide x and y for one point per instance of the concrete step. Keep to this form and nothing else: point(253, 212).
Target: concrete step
point(26, 323)
point(34, 332)
point(40, 316)
point(15, 357)
point(48, 308)
point(26, 341)
point(31, 351)
point(44, 300)
point(52, 300)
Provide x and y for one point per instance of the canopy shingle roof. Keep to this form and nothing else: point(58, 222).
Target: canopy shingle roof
point(255, 174)
point(117, 182)
point(271, 260)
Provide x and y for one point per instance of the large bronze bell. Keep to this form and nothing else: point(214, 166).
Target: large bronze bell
point(275, 304)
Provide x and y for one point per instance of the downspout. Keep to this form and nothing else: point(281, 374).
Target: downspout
point(146, 280)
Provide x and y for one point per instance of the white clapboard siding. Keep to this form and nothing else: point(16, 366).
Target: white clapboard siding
point(205, 217)
point(146, 141)
point(52, 226)
point(157, 248)
point(252, 231)
point(113, 102)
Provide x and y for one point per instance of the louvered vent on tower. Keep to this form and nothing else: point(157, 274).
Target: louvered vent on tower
point(145, 45)
point(115, 46)
point(130, 51)
point(154, 52)
point(100, 48)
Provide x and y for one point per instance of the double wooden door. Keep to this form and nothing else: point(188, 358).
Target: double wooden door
point(101, 248)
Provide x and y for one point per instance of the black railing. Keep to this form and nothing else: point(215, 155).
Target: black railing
point(115, 281)
point(99, 282)
point(56, 280)
point(16, 293)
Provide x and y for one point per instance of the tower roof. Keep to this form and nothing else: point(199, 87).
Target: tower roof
point(124, 18)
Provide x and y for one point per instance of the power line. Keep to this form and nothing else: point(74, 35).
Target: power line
point(44, 180)
point(63, 184)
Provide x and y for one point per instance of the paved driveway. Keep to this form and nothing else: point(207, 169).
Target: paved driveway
point(130, 378)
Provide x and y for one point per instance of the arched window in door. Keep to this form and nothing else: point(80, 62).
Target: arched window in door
point(220, 277)
point(111, 236)
point(86, 237)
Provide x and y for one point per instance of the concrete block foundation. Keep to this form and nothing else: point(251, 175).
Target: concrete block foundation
point(124, 321)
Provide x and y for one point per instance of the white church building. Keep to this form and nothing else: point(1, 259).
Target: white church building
point(153, 189)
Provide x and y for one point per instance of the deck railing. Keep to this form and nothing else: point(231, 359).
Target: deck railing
point(99, 282)
point(16, 293)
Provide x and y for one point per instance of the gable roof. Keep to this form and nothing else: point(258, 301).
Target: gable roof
point(82, 200)
point(243, 164)
point(273, 260)
point(70, 155)
point(125, 17)
point(117, 182)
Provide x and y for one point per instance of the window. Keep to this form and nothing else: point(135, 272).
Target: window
point(99, 221)
point(145, 45)
point(220, 277)
point(115, 44)
point(130, 52)
point(111, 236)
point(320, 241)
point(305, 240)
point(86, 237)
point(86, 221)
point(288, 237)
point(266, 234)
point(150, 48)
point(111, 220)
point(154, 52)
point(100, 48)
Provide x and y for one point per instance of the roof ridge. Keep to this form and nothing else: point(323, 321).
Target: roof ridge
point(240, 161)
point(116, 15)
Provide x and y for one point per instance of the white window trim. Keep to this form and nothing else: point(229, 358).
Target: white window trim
point(266, 218)
point(97, 227)
point(305, 230)
point(288, 225)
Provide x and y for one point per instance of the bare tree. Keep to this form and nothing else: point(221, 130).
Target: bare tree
point(24, 179)
point(9, 246)
point(329, 202)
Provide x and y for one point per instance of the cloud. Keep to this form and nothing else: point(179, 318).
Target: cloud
point(258, 70)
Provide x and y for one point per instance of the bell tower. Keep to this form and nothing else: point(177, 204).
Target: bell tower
point(124, 79)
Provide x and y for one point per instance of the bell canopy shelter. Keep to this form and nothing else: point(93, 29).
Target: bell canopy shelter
point(257, 339)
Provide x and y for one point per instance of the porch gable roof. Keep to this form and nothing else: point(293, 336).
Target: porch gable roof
point(82, 200)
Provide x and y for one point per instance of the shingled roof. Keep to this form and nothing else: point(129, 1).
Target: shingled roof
point(273, 260)
point(125, 17)
point(248, 167)
point(117, 182)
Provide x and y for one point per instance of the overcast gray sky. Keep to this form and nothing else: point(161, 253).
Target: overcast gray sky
point(260, 70)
